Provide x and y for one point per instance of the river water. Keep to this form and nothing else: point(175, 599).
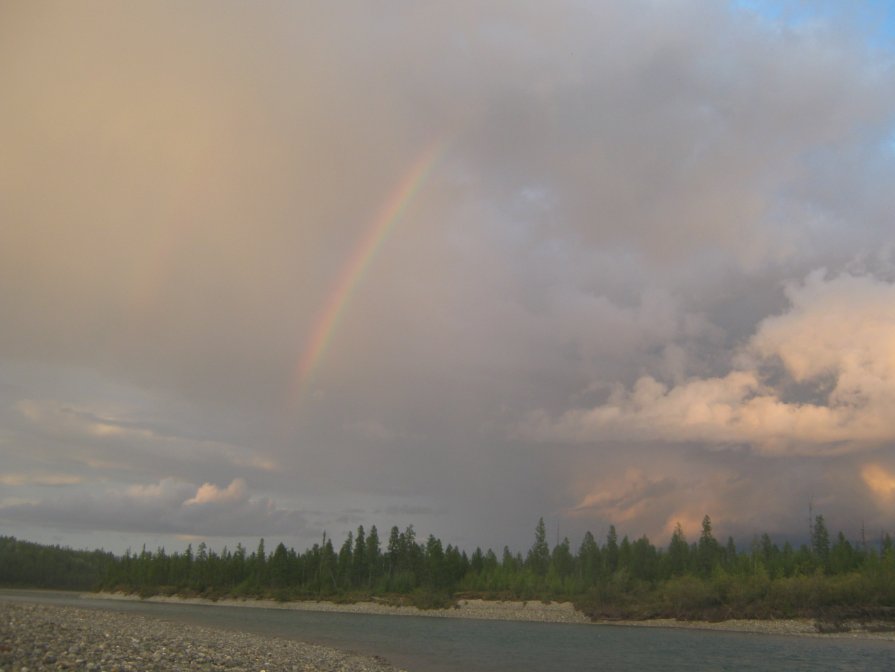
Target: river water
point(451, 645)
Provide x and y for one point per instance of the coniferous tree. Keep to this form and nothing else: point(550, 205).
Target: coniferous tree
point(345, 562)
point(326, 577)
point(589, 559)
point(562, 562)
point(279, 567)
point(644, 560)
point(374, 556)
point(624, 554)
point(820, 542)
point(539, 555)
point(678, 552)
point(360, 570)
point(708, 550)
point(611, 551)
point(393, 554)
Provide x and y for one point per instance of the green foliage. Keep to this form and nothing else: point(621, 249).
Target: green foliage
point(616, 580)
point(29, 565)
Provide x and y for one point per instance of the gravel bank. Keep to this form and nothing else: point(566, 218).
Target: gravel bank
point(43, 637)
point(801, 627)
point(489, 610)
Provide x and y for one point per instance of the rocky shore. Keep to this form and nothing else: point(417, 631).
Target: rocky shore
point(44, 637)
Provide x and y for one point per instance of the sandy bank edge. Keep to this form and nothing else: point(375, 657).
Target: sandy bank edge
point(534, 611)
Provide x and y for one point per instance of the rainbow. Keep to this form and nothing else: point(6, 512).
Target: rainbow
point(361, 257)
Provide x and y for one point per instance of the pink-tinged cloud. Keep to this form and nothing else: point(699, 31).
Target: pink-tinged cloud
point(880, 481)
point(208, 493)
point(818, 379)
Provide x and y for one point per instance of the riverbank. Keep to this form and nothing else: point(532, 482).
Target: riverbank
point(49, 637)
point(489, 610)
point(551, 612)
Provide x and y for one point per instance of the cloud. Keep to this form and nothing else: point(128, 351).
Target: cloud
point(169, 491)
point(110, 439)
point(168, 506)
point(19, 479)
point(833, 347)
point(626, 500)
point(209, 493)
point(624, 191)
point(880, 481)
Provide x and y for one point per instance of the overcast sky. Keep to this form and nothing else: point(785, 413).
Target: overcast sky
point(270, 269)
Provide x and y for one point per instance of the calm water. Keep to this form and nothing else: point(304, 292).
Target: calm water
point(441, 645)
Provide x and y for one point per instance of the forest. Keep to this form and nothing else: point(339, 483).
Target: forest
point(24, 564)
point(618, 578)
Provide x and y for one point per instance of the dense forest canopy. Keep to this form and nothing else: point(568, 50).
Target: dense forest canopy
point(618, 577)
point(26, 564)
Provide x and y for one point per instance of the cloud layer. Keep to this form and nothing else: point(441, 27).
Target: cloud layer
point(653, 259)
point(165, 507)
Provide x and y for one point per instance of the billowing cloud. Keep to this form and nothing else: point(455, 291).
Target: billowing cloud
point(819, 378)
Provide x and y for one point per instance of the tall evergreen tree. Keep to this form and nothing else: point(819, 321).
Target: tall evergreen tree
point(539, 555)
point(589, 559)
point(820, 542)
point(345, 561)
point(360, 570)
point(374, 556)
point(611, 550)
point(678, 552)
point(708, 549)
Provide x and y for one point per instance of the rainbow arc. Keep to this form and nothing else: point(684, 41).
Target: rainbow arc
point(349, 277)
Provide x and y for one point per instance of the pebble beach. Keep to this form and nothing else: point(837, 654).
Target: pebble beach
point(45, 637)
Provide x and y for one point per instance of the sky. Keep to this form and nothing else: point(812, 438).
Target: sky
point(274, 269)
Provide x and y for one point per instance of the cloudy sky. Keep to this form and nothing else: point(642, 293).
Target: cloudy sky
point(274, 269)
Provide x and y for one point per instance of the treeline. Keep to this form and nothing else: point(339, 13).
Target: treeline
point(613, 578)
point(617, 578)
point(28, 565)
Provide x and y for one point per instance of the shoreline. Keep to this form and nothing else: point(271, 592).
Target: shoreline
point(532, 611)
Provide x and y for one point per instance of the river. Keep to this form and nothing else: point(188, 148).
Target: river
point(450, 645)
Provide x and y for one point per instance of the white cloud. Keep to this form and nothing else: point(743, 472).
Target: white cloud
point(834, 348)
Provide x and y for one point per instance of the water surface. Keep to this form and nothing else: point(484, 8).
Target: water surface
point(452, 645)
